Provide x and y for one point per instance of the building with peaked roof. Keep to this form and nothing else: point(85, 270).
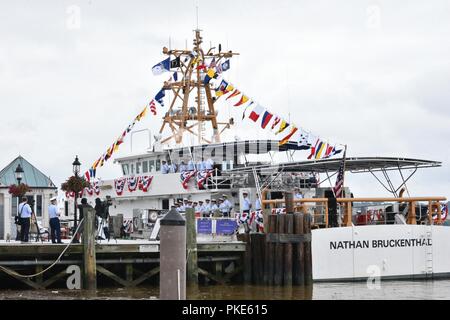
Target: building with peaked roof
point(42, 189)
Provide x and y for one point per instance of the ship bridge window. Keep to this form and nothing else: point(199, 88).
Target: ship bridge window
point(132, 168)
point(145, 166)
point(158, 165)
point(151, 165)
point(125, 169)
point(227, 165)
point(138, 167)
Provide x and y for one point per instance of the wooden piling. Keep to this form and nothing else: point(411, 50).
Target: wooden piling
point(289, 229)
point(257, 241)
point(89, 259)
point(299, 252)
point(269, 255)
point(191, 247)
point(245, 237)
point(307, 248)
point(289, 201)
point(278, 277)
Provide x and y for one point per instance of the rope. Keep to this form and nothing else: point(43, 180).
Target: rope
point(13, 273)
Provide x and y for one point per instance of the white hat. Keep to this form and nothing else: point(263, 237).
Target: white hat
point(53, 199)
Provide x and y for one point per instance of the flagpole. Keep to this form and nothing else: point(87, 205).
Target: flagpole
point(344, 157)
point(343, 174)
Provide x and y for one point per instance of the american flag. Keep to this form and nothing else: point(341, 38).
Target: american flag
point(339, 186)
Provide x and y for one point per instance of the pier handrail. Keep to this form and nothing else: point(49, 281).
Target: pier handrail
point(433, 202)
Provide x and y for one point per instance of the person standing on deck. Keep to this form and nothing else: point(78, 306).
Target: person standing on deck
point(55, 227)
point(228, 204)
point(223, 208)
point(298, 194)
point(200, 166)
point(257, 203)
point(25, 214)
point(172, 167)
point(246, 204)
point(209, 164)
point(200, 208)
point(164, 167)
point(207, 208)
point(183, 167)
point(191, 166)
point(214, 206)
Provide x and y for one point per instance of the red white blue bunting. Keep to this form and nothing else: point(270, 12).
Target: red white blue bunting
point(133, 183)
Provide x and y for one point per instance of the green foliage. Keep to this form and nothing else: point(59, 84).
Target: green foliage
point(18, 190)
point(75, 184)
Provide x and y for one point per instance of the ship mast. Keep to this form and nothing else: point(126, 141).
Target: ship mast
point(192, 108)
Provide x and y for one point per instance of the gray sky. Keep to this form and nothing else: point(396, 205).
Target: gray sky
point(371, 74)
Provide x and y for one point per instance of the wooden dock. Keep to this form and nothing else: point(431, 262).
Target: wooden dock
point(125, 262)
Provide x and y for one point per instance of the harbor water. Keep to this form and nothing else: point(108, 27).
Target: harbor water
point(385, 290)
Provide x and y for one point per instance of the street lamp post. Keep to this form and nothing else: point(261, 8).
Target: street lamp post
point(76, 170)
point(19, 174)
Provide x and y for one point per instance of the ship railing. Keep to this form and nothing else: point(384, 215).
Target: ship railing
point(216, 181)
point(321, 213)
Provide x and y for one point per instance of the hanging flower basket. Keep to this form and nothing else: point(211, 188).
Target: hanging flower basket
point(18, 190)
point(75, 184)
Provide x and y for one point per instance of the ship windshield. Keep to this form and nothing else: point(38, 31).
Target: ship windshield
point(144, 166)
point(152, 166)
point(138, 167)
point(125, 169)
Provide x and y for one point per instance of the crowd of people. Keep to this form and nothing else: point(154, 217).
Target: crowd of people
point(171, 167)
point(222, 207)
point(209, 207)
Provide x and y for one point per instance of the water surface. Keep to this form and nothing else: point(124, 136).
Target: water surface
point(419, 289)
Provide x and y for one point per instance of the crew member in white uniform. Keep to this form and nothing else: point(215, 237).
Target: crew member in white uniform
point(25, 214)
point(246, 204)
point(214, 206)
point(209, 164)
point(200, 208)
point(183, 167)
point(223, 208)
point(200, 166)
point(227, 203)
point(172, 167)
point(191, 166)
point(207, 208)
point(257, 203)
point(164, 167)
point(55, 226)
point(298, 194)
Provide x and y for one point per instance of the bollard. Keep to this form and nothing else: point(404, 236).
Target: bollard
point(172, 280)
point(289, 201)
point(192, 264)
point(89, 260)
